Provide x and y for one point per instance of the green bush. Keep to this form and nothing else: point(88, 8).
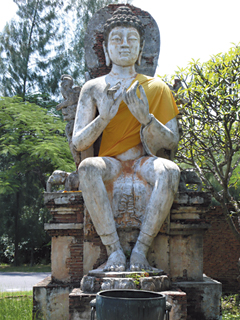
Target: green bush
point(231, 307)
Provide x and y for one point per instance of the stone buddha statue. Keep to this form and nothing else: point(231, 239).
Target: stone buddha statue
point(136, 116)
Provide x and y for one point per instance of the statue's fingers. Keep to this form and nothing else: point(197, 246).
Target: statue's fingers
point(131, 95)
point(124, 95)
point(119, 99)
point(134, 86)
point(106, 89)
point(143, 96)
point(115, 88)
point(127, 97)
point(133, 92)
point(111, 92)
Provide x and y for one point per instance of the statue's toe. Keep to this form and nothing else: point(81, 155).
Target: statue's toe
point(135, 267)
point(112, 268)
point(116, 262)
point(120, 268)
point(107, 268)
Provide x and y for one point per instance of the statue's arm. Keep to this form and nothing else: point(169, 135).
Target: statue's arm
point(87, 127)
point(156, 136)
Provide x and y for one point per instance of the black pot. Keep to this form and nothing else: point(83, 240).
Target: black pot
point(129, 305)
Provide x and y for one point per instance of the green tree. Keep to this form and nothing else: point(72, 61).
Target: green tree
point(32, 45)
point(32, 146)
point(211, 128)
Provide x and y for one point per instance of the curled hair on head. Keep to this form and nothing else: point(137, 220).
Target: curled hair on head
point(124, 17)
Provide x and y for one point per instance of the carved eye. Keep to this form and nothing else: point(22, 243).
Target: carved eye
point(132, 38)
point(116, 38)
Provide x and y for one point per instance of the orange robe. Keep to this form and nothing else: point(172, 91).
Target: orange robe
point(123, 131)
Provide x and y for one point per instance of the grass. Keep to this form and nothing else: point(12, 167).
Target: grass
point(25, 268)
point(16, 306)
point(231, 307)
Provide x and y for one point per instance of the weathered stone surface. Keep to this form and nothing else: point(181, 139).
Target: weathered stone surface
point(50, 301)
point(186, 256)
point(147, 284)
point(91, 254)
point(99, 273)
point(63, 226)
point(117, 283)
point(87, 284)
point(178, 300)
point(51, 198)
point(162, 283)
point(152, 281)
point(60, 254)
point(79, 305)
point(203, 299)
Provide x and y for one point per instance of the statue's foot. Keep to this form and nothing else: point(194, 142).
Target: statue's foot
point(116, 262)
point(138, 262)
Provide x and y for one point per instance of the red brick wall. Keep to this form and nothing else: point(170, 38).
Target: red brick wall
point(75, 262)
point(221, 252)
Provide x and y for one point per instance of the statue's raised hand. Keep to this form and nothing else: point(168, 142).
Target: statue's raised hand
point(138, 106)
point(109, 105)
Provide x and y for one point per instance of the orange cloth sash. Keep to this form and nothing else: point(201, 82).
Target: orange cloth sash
point(123, 131)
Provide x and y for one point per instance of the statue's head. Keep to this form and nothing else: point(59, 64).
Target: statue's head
point(123, 20)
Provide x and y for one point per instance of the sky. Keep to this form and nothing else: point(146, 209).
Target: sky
point(189, 29)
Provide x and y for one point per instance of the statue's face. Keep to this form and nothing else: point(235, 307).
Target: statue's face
point(124, 46)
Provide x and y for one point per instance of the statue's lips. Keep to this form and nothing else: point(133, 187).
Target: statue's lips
point(124, 53)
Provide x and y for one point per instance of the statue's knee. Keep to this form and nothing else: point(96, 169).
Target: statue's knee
point(88, 169)
point(168, 171)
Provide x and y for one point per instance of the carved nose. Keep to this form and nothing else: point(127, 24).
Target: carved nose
point(125, 42)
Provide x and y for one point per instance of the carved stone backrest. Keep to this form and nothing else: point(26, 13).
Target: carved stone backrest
point(94, 55)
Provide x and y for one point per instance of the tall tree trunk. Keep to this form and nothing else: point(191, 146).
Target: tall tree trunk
point(16, 220)
point(32, 257)
point(29, 51)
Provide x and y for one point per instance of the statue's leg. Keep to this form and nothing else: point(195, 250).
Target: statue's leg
point(164, 176)
point(93, 172)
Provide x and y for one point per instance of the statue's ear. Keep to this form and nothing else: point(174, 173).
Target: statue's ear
point(107, 58)
point(140, 54)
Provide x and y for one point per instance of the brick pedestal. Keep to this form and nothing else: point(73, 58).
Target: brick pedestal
point(177, 249)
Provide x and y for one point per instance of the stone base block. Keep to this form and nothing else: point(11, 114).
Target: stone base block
point(152, 281)
point(203, 298)
point(51, 301)
point(79, 304)
point(178, 300)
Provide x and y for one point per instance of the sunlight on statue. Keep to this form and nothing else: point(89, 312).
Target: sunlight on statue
point(136, 116)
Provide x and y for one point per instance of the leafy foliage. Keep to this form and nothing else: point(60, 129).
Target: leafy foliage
point(32, 146)
point(231, 307)
point(211, 127)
